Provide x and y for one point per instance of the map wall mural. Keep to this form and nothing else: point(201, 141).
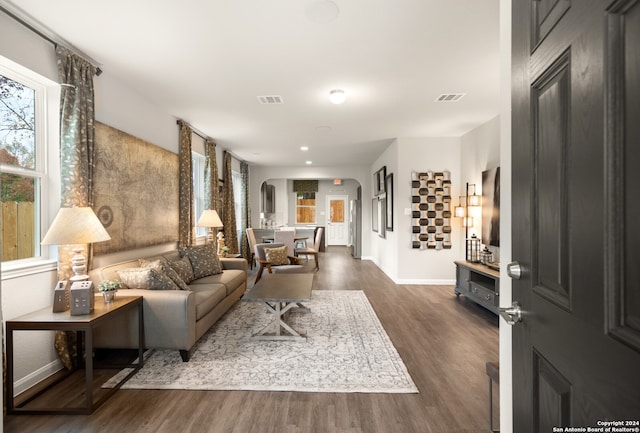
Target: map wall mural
point(135, 191)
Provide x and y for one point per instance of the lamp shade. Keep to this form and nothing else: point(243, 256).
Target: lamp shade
point(209, 218)
point(75, 225)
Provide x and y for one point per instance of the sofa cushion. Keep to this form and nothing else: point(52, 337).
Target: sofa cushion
point(207, 299)
point(183, 269)
point(146, 278)
point(277, 256)
point(231, 278)
point(204, 260)
point(161, 265)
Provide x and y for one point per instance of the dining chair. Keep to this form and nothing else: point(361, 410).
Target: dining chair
point(312, 251)
point(251, 237)
point(289, 265)
point(286, 237)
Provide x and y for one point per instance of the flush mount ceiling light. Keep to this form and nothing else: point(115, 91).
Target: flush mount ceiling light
point(308, 162)
point(337, 96)
point(304, 148)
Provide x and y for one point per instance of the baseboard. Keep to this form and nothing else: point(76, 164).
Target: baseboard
point(30, 380)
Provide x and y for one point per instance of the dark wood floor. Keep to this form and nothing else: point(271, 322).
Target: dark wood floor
point(443, 340)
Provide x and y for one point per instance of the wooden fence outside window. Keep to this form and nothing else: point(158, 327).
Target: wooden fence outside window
point(18, 230)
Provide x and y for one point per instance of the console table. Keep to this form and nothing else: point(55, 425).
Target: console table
point(479, 283)
point(83, 325)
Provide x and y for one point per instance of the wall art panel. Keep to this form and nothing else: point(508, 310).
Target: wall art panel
point(431, 210)
point(135, 191)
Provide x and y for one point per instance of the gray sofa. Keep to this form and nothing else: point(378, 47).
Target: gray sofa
point(173, 319)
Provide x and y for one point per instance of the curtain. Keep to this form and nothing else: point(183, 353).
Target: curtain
point(229, 210)
point(211, 181)
point(77, 115)
point(186, 229)
point(246, 215)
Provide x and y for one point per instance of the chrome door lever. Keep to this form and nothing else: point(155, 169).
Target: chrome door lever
point(512, 314)
point(514, 270)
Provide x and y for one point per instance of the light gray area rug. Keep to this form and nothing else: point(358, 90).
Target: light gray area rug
point(347, 350)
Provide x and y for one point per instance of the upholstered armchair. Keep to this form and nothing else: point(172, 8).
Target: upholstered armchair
point(275, 259)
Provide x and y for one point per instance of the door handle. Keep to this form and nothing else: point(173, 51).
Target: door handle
point(512, 314)
point(514, 270)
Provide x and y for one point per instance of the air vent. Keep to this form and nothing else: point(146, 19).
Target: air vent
point(271, 99)
point(450, 97)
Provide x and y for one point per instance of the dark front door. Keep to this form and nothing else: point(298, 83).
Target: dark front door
point(576, 213)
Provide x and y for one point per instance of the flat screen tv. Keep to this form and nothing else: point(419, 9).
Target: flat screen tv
point(491, 207)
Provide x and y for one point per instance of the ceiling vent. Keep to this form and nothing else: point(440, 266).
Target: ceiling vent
point(271, 99)
point(450, 97)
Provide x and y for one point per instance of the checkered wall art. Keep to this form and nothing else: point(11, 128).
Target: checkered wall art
point(431, 210)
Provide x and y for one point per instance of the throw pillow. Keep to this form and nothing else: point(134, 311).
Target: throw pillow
point(277, 256)
point(146, 278)
point(183, 269)
point(162, 266)
point(204, 260)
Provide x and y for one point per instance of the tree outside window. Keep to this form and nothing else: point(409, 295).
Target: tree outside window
point(18, 175)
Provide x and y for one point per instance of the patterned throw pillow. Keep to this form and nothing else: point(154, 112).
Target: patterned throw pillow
point(162, 266)
point(277, 256)
point(146, 278)
point(183, 269)
point(204, 260)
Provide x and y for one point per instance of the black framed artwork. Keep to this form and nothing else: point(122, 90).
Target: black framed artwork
point(389, 193)
point(379, 180)
point(374, 214)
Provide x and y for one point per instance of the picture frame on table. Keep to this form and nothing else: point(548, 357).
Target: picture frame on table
point(389, 205)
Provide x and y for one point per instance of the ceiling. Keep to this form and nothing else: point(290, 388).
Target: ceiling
point(207, 61)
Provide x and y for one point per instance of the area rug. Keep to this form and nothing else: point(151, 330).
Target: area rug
point(347, 350)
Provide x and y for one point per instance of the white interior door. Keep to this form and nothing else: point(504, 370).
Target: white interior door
point(337, 220)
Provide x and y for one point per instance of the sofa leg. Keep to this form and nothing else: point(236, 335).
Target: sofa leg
point(185, 355)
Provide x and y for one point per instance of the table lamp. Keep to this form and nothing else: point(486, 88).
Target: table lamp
point(76, 225)
point(210, 219)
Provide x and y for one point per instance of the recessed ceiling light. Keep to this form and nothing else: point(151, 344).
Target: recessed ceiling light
point(322, 11)
point(308, 162)
point(337, 96)
point(304, 148)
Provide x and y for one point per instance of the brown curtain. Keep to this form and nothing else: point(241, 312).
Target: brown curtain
point(186, 229)
point(211, 181)
point(246, 214)
point(77, 149)
point(229, 211)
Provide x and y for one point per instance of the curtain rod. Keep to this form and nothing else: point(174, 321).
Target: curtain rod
point(38, 32)
point(201, 135)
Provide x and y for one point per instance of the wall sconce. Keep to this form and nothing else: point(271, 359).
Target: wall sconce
point(76, 226)
point(467, 211)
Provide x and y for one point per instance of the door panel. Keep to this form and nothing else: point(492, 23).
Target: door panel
point(575, 111)
point(337, 225)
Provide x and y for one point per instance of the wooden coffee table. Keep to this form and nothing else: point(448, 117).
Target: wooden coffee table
point(280, 293)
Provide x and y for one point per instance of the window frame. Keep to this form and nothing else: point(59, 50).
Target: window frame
point(315, 207)
point(46, 170)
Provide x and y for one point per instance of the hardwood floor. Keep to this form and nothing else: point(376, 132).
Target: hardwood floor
point(443, 340)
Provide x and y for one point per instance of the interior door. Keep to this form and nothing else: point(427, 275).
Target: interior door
point(337, 220)
point(575, 149)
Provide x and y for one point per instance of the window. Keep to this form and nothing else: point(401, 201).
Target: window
point(25, 102)
point(198, 162)
point(236, 181)
point(305, 208)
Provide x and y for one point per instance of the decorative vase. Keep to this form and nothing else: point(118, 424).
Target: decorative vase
point(109, 296)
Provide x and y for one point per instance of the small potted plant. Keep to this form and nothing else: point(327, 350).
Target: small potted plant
point(224, 251)
point(109, 289)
